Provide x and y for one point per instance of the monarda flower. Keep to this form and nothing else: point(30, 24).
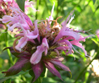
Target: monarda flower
point(36, 42)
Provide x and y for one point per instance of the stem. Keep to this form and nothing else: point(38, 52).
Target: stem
point(47, 7)
point(46, 4)
point(57, 9)
point(7, 45)
point(37, 4)
point(23, 78)
point(46, 72)
point(82, 71)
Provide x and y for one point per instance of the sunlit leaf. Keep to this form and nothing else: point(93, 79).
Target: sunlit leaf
point(92, 6)
point(79, 8)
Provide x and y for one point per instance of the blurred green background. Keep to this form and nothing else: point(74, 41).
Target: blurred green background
point(86, 17)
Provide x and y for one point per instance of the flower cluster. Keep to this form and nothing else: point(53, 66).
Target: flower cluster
point(40, 43)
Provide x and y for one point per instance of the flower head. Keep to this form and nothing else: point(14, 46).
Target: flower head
point(37, 41)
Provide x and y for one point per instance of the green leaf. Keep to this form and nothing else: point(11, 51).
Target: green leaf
point(92, 6)
point(19, 65)
point(94, 1)
point(97, 7)
point(79, 8)
point(21, 4)
point(49, 80)
point(3, 79)
point(31, 73)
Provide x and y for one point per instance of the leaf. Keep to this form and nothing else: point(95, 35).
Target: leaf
point(19, 65)
point(12, 51)
point(97, 7)
point(94, 1)
point(21, 4)
point(4, 78)
point(37, 69)
point(52, 69)
point(3, 55)
point(92, 6)
point(31, 73)
point(49, 80)
point(18, 55)
point(79, 8)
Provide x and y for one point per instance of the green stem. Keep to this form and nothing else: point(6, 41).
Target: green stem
point(46, 4)
point(37, 4)
point(57, 9)
point(46, 72)
point(7, 45)
point(82, 71)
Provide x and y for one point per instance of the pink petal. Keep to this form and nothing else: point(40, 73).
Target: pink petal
point(79, 45)
point(22, 42)
point(66, 33)
point(65, 22)
point(36, 57)
point(10, 28)
point(6, 18)
point(45, 45)
point(51, 17)
point(67, 43)
point(28, 20)
point(32, 35)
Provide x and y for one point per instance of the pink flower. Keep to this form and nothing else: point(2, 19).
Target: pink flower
point(37, 41)
point(16, 19)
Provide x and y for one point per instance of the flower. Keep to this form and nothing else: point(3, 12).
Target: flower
point(37, 41)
